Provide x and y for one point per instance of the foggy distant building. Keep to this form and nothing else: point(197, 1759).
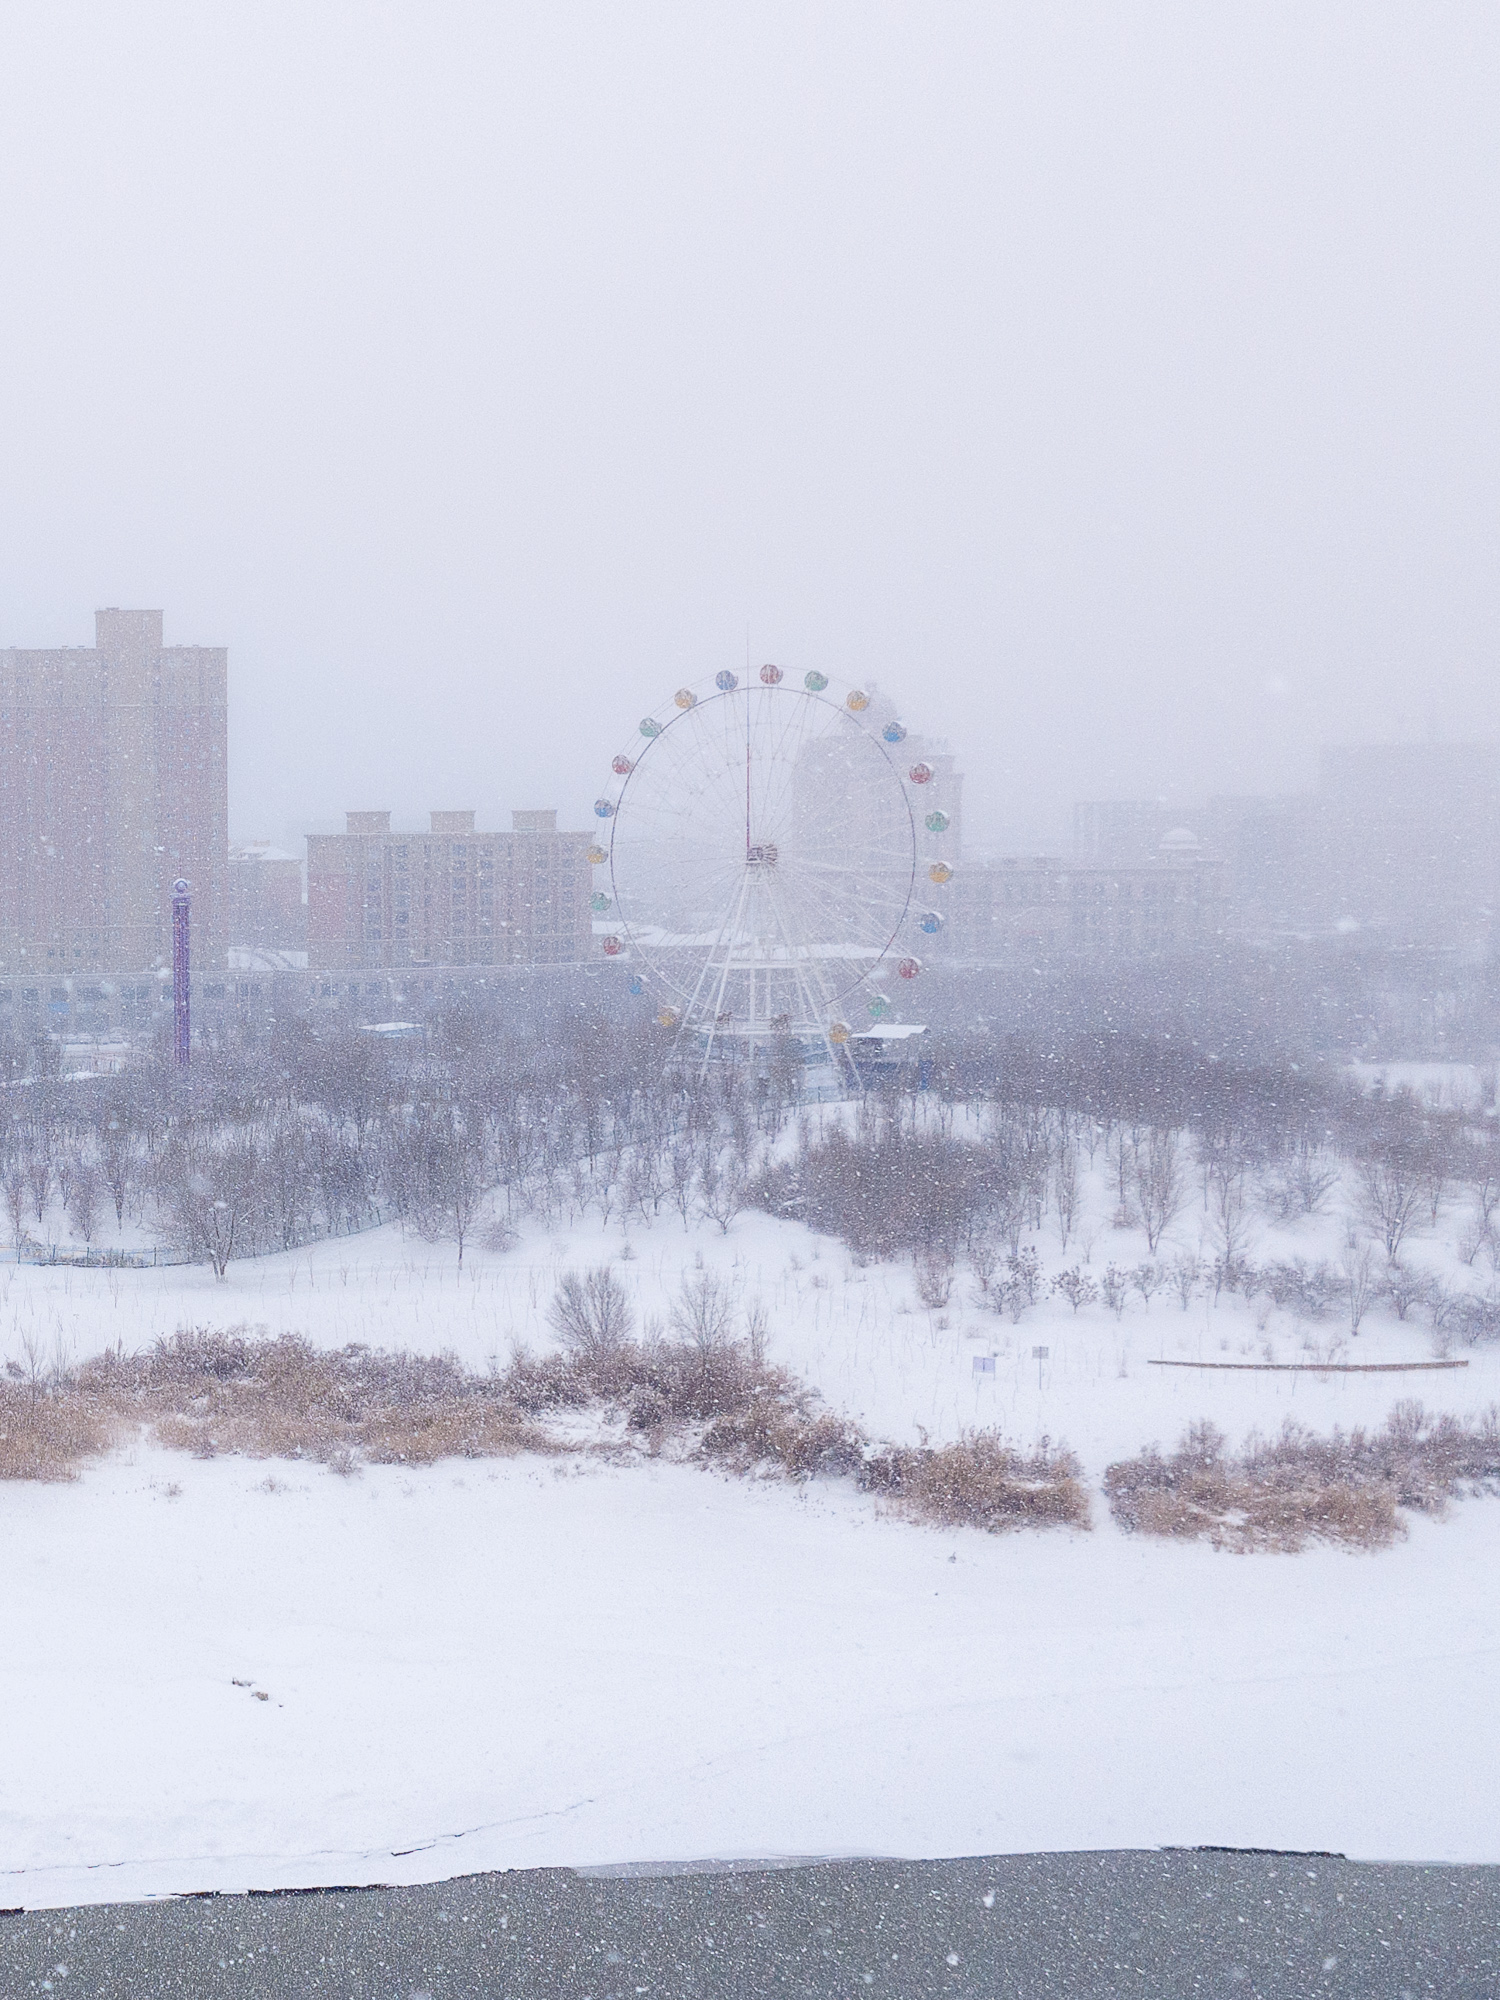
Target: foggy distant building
point(834, 772)
point(1121, 833)
point(1009, 908)
point(265, 906)
point(1409, 841)
point(1027, 906)
point(1399, 844)
point(113, 782)
point(452, 896)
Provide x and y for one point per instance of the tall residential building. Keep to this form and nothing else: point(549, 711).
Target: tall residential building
point(450, 896)
point(113, 782)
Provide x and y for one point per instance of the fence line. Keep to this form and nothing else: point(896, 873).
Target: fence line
point(69, 1256)
point(1313, 1367)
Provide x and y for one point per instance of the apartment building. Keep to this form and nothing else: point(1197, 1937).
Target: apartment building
point(1038, 905)
point(113, 783)
point(452, 896)
point(265, 903)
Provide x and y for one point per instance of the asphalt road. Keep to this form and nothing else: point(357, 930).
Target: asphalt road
point(1202, 1924)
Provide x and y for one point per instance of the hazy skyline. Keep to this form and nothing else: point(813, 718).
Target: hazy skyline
point(1113, 386)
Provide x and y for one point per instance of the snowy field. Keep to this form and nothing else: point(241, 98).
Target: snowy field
point(491, 1664)
point(508, 1665)
point(857, 1333)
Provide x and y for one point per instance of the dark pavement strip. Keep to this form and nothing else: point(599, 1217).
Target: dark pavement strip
point(1204, 1924)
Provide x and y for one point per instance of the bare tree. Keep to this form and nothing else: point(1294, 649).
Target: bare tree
point(1148, 1280)
point(13, 1187)
point(1357, 1264)
point(1065, 1188)
point(1011, 1213)
point(682, 1177)
point(590, 1314)
point(1486, 1187)
point(703, 1312)
point(1315, 1174)
point(84, 1193)
point(1160, 1183)
point(1023, 1279)
point(1121, 1151)
point(1404, 1288)
point(1390, 1195)
point(1186, 1275)
point(118, 1163)
point(757, 1326)
point(287, 1185)
point(39, 1180)
point(934, 1267)
point(984, 1260)
point(445, 1174)
point(1299, 1180)
point(1076, 1286)
point(722, 1188)
point(1228, 1208)
point(213, 1196)
point(645, 1181)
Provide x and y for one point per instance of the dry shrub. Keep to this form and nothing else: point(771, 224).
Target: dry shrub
point(207, 1393)
point(1297, 1487)
point(983, 1482)
point(46, 1430)
point(750, 1413)
point(787, 1437)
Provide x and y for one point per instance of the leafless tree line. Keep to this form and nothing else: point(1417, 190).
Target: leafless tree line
point(266, 1150)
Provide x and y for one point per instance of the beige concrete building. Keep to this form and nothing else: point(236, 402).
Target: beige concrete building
point(452, 896)
point(1041, 905)
point(113, 782)
point(265, 908)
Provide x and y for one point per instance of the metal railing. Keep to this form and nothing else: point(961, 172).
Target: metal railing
point(83, 1257)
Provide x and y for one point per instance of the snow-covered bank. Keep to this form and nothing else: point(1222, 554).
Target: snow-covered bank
point(486, 1665)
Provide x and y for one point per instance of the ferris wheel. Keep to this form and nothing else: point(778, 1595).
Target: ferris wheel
point(762, 857)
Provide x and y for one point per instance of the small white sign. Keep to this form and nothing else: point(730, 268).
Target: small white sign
point(1041, 1353)
point(984, 1364)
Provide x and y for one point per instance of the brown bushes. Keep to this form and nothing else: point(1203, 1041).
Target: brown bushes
point(983, 1482)
point(45, 1429)
point(786, 1437)
point(1297, 1487)
point(209, 1393)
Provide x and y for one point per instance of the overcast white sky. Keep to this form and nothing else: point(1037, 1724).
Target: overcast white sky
point(1115, 384)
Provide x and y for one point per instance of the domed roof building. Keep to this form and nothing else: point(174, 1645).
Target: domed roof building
point(1180, 841)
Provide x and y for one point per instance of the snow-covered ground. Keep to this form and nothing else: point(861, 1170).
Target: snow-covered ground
point(488, 1665)
point(1441, 1086)
point(503, 1663)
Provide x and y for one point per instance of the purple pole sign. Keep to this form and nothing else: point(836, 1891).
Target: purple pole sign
point(182, 959)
